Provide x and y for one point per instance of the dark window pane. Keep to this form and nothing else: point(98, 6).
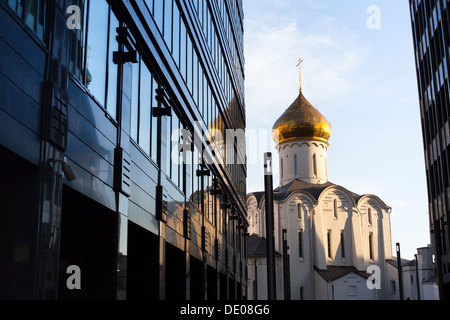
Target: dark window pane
point(183, 45)
point(34, 16)
point(97, 49)
point(181, 165)
point(175, 138)
point(111, 104)
point(154, 122)
point(135, 103)
point(200, 91)
point(32, 12)
point(77, 39)
point(176, 35)
point(189, 64)
point(195, 76)
point(145, 104)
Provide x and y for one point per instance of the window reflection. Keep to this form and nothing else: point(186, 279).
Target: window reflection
point(149, 4)
point(34, 16)
point(100, 76)
point(168, 22)
point(135, 102)
point(188, 175)
point(97, 49)
point(195, 76)
point(158, 14)
point(176, 35)
point(111, 103)
point(143, 124)
point(189, 64)
point(145, 109)
point(32, 12)
point(77, 45)
point(98, 73)
point(183, 47)
point(154, 120)
point(175, 139)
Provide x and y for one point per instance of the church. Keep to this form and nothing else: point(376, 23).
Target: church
point(330, 243)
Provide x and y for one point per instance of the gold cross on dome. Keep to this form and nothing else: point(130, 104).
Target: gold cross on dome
point(299, 65)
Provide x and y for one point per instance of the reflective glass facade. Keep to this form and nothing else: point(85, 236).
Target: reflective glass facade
point(127, 117)
point(431, 31)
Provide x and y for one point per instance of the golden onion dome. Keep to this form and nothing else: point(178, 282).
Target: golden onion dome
point(301, 121)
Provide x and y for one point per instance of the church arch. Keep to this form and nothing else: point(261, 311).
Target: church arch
point(300, 206)
point(252, 212)
point(338, 190)
point(372, 207)
point(370, 198)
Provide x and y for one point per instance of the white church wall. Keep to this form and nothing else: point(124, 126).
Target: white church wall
point(252, 283)
point(303, 160)
point(257, 270)
point(390, 288)
point(319, 245)
point(376, 238)
point(348, 287)
point(322, 288)
point(376, 228)
point(387, 233)
point(352, 287)
point(430, 291)
point(358, 242)
point(335, 211)
point(278, 212)
point(298, 224)
point(426, 265)
point(371, 238)
point(410, 283)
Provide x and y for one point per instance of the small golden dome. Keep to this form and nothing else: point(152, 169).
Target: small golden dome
point(301, 121)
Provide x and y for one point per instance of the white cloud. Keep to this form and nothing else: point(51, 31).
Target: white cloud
point(331, 55)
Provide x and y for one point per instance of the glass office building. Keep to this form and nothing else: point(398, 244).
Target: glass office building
point(431, 28)
point(123, 166)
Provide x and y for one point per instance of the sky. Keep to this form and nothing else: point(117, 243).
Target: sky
point(359, 71)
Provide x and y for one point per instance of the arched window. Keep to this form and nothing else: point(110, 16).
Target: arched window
point(369, 215)
point(329, 253)
point(281, 168)
point(299, 211)
point(315, 164)
point(335, 208)
point(296, 165)
point(393, 287)
point(342, 244)
point(371, 246)
point(300, 243)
